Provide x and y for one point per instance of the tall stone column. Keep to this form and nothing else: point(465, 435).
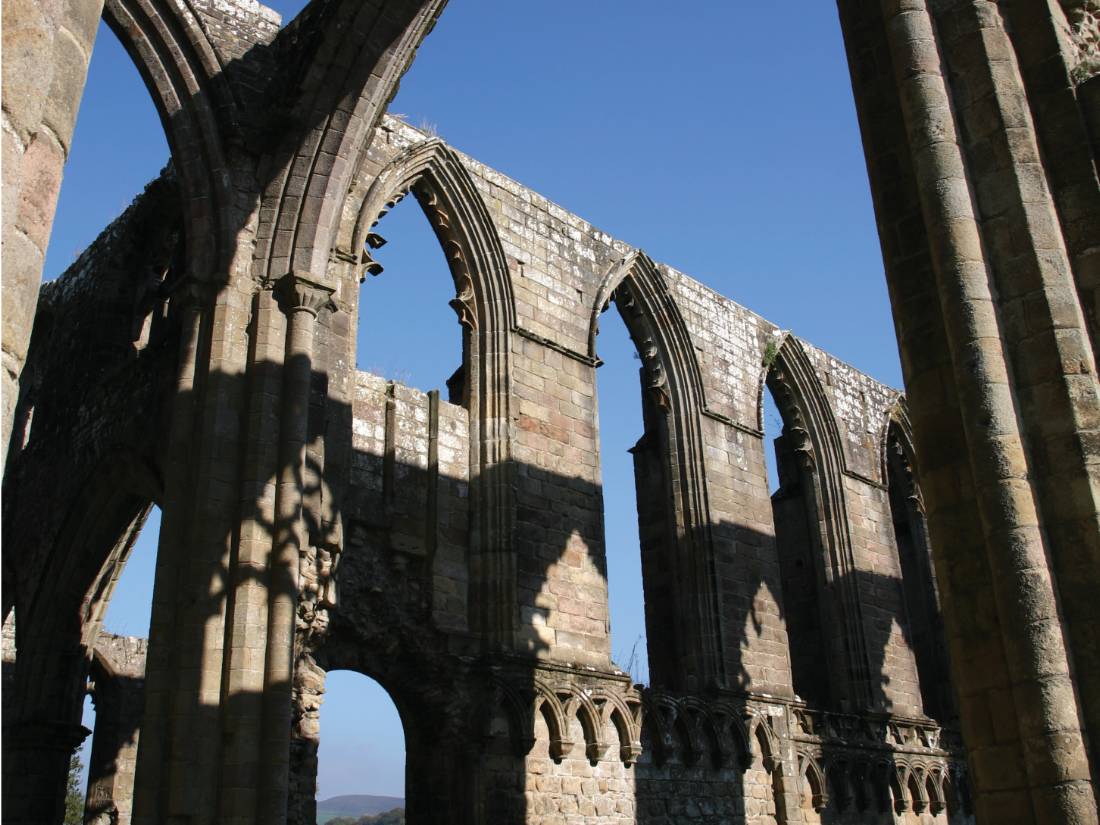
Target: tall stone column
point(47, 46)
point(1035, 758)
point(301, 298)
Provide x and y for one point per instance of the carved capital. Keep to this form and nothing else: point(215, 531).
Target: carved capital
point(297, 292)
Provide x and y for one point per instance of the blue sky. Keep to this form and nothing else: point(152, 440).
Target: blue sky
point(720, 137)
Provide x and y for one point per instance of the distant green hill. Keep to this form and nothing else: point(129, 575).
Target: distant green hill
point(355, 806)
point(394, 817)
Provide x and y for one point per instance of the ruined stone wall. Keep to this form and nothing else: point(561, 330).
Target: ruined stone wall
point(118, 693)
point(454, 550)
point(388, 580)
point(560, 268)
point(562, 272)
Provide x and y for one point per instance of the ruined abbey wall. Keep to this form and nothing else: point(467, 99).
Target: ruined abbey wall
point(200, 356)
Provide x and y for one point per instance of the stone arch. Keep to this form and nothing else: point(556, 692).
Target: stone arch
point(733, 725)
point(690, 656)
point(436, 723)
point(94, 542)
point(557, 722)
point(58, 622)
point(580, 705)
point(627, 721)
point(336, 109)
point(811, 771)
point(506, 699)
point(762, 735)
point(923, 624)
point(816, 449)
point(185, 78)
point(486, 309)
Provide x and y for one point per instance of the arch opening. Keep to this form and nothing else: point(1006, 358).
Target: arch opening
point(627, 491)
point(652, 527)
point(918, 580)
point(401, 336)
point(798, 540)
point(117, 638)
point(359, 741)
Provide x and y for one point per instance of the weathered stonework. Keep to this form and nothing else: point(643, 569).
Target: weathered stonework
point(200, 356)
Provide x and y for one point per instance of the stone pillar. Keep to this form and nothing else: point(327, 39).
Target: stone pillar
point(301, 298)
point(47, 45)
point(118, 691)
point(246, 641)
point(1036, 761)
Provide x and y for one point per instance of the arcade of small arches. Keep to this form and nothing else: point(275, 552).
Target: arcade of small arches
point(318, 518)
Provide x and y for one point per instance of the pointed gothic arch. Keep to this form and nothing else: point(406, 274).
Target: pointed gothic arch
point(435, 176)
point(350, 71)
point(816, 456)
point(185, 78)
point(923, 620)
point(679, 541)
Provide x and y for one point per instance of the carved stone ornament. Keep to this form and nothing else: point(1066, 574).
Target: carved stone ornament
point(297, 292)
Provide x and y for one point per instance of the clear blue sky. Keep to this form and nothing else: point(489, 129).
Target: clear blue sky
point(721, 137)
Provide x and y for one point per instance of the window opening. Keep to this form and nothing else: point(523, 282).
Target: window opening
point(621, 432)
point(361, 754)
point(918, 582)
point(798, 544)
point(407, 332)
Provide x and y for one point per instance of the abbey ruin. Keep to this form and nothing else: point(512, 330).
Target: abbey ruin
point(907, 631)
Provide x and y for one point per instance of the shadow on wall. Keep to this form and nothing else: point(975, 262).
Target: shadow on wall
point(105, 426)
point(96, 454)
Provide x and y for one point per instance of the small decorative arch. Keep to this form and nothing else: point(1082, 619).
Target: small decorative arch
point(516, 712)
point(812, 772)
point(899, 787)
point(486, 309)
point(627, 721)
point(764, 737)
point(933, 790)
point(918, 794)
point(660, 721)
point(557, 721)
point(580, 705)
point(690, 657)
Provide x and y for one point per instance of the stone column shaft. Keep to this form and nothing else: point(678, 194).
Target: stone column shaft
point(1051, 741)
point(302, 299)
point(149, 777)
point(246, 639)
point(47, 46)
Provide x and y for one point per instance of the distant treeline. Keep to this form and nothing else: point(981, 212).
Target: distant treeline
point(394, 817)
